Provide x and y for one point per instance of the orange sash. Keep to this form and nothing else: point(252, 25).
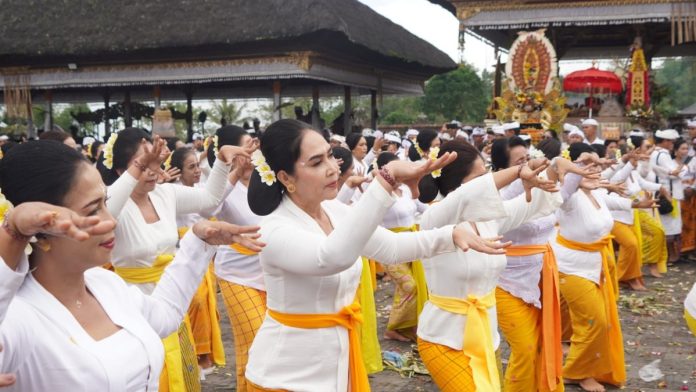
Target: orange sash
point(607, 284)
point(349, 318)
point(551, 353)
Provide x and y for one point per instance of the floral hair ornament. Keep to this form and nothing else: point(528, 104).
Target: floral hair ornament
point(419, 150)
point(206, 143)
point(565, 154)
point(216, 146)
point(109, 151)
point(537, 154)
point(168, 162)
point(617, 154)
point(5, 208)
point(432, 155)
point(267, 175)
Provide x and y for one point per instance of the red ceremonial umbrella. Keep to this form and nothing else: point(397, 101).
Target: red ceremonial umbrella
point(592, 81)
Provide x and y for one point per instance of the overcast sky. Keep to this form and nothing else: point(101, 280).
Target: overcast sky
point(439, 27)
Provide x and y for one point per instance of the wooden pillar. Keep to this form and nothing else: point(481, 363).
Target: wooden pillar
point(373, 109)
point(128, 113)
point(107, 124)
point(347, 123)
point(276, 100)
point(189, 116)
point(48, 119)
point(315, 107)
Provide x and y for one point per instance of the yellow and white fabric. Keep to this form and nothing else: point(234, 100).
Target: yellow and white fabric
point(322, 273)
point(48, 350)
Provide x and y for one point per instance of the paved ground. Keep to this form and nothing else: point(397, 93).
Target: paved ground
point(653, 328)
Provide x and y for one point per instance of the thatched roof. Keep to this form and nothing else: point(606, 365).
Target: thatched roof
point(48, 32)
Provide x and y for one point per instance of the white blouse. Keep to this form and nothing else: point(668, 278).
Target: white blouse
point(579, 220)
point(138, 243)
point(307, 271)
point(634, 185)
point(48, 350)
point(403, 212)
point(231, 265)
point(522, 274)
point(662, 164)
point(460, 274)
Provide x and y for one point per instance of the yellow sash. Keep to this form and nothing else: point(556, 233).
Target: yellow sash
point(243, 250)
point(141, 275)
point(371, 350)
point(218, 350)
point(349, 318)
point(616, 348)
point(478, 342)
point(551, 353)
point(418, 273)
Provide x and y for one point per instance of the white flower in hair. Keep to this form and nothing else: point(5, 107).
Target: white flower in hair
point(109, 151)
point(5, 207)
point(537, 154)
point(267, 175)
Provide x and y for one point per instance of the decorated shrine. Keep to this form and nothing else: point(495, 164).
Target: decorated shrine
point(579, 30)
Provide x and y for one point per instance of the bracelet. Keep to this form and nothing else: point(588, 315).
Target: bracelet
point(387, 177)
point(16, 235)
point(519, 171)
point(139, 165)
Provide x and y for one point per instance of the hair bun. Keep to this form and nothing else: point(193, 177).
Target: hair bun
point(263, 199)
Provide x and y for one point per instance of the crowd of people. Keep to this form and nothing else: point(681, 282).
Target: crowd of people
point(113, 253)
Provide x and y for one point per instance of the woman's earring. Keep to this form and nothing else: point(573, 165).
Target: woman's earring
point(291, 188)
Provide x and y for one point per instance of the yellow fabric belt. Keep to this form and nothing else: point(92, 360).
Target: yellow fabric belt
point(551, 353)
point(349, 318)
point(478, 341)
point(141, 275)
point(243, 250)
point(418, 273)
point(605, 247)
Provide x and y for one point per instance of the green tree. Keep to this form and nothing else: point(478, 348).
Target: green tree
point(674, 85)
point(219, 109)
point(459, 94)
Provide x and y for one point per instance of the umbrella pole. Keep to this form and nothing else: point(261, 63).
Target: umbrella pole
point(591, 100)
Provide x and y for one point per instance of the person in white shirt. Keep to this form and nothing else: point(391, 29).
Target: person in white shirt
point(66, 323)
point(691, 135)
point(425, 140)
point(311, 265)
point(687, 205)
point(590, 127)
point(202, 313)
point(147, 232)
point(362, 156)
point(457, 331)
point(668, 173)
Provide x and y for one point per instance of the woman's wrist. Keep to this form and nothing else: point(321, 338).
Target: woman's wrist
point(11, 229)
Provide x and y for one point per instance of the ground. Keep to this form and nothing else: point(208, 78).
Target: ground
point(652, 322)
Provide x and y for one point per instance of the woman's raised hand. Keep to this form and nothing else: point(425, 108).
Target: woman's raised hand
point(530, 179)
point(33, 218)
point(410, 173)
point(223, 233)
point(228, 153)
point(154, 154)
point(466, 239)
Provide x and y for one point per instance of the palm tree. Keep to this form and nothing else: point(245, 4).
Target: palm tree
point(224, 109)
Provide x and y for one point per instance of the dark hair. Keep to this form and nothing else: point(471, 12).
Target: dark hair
point(126, 146)
point(346, 156)
point(500, 151)
point(425, 138)
point(385, 158)
point(637, 141)
point(550, 147)
point(677, 144)
point(171, 142)
point(280, 145)
point(370, 140)
point(40, 171)
point(610, 141)
point(8, 146)
point(58, 136)
point(600, 149)
point(452, 174)
point(352, 140)
point(92, 149)
point(578, 148)
point(229, 135)
point(179, 156)
point(413, 154)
